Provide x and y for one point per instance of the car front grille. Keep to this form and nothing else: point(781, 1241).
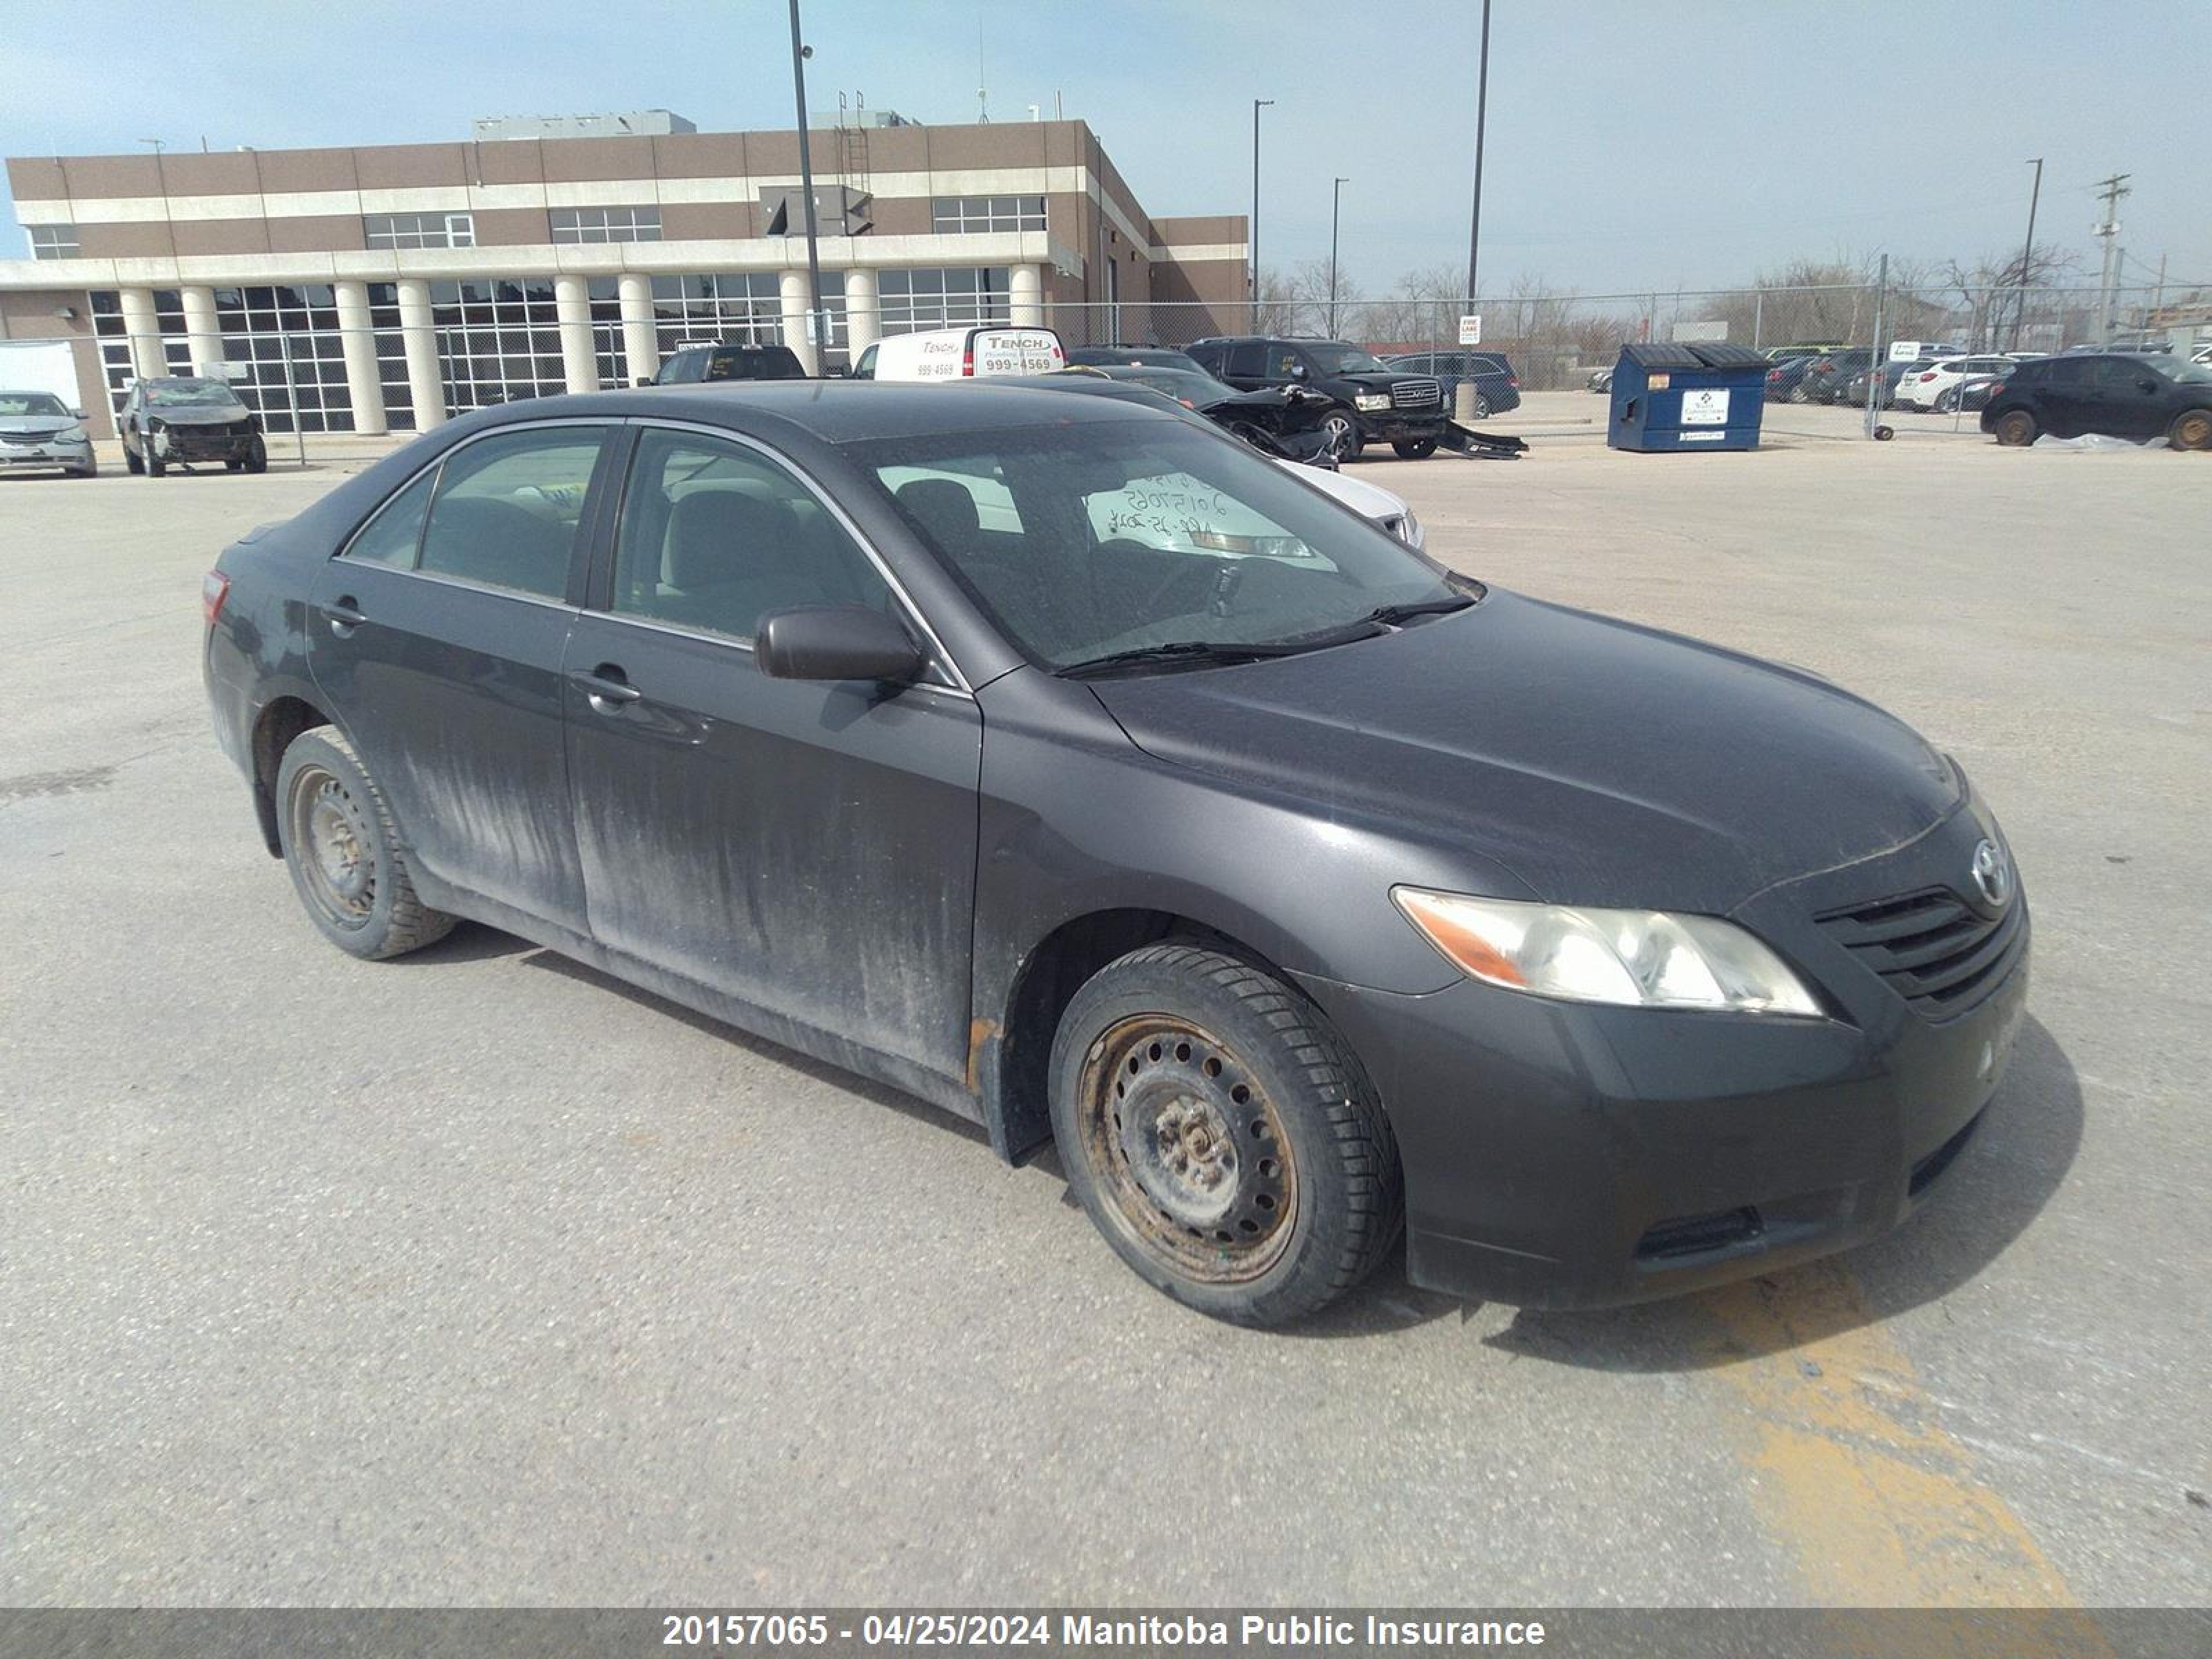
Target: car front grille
point(27, 440)
point(1932, 948)
point(1416, 394)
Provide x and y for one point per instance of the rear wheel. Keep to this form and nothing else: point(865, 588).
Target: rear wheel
point(2015, 429)
point(1418, 450)
point(1343, 429)
point(1946, 403)
point(1221, 1136)
point(2191, 429)
point(343, 852)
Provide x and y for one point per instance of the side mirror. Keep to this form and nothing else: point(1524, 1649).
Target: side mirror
point(1297, 371)
point(77, 414)
point(646, 379)
point(835, 642)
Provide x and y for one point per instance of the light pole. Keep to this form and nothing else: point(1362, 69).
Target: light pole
point(816, 318)
point(1481, 116)
point(1258, 104)
point(1335, 201)
point(2027, 255)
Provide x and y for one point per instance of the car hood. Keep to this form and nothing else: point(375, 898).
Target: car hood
point(197, 414)
point(1601, 762)
point(1368, 500)
point(37, 425)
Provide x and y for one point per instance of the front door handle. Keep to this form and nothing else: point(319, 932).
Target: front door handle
point(606, 688)
point(345, 615)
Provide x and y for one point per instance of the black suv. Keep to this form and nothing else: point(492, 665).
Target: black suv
point(729, 363)
point(1374, 402)
point(2116, 393)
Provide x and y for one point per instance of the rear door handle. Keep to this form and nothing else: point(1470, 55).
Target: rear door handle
point(607, 687)
point(345, 615)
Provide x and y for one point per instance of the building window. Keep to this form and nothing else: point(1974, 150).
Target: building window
point(952, 298)
point(498, 341)
point(957, 215)
point(115, 346)
point(739, 308)
point(607, 224)
point(288, 356)
point(53, 241)
point(406, 230)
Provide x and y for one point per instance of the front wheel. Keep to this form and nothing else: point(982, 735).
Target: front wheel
point(2015, 429)
point(155, 466)
point(130, 461)
point(256, 456)
point(1343, 429)
point(343, 852)
point(1418, 450)
point(1222, 1136)
point(2191, 429)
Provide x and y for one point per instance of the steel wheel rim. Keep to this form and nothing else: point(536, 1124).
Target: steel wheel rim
point(2013, 428)
point(1189, 1149)
point(2196, 431)
point(333, 848)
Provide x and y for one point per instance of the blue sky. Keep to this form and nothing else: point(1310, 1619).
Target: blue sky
point(1632, 146)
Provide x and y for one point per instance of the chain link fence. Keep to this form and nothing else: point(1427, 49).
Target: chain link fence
point(1555, 341)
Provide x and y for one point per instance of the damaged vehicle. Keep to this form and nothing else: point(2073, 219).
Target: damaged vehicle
point(1371, 402)
point(1070, 765)
point(174, 419)
point(1289, 421)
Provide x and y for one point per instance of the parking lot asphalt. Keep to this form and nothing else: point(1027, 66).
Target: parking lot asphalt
point(478, 1278)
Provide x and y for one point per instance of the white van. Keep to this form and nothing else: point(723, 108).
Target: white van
point(954, 354)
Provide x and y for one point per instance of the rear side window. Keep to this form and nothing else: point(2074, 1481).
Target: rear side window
point(682, 366)
point(507, 509)
point(1249, 360)
point(392, 536)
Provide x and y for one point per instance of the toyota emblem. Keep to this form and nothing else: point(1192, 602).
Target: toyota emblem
point(1992, 873)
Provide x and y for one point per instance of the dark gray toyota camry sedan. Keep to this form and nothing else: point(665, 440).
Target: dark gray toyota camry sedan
point(1075, 768)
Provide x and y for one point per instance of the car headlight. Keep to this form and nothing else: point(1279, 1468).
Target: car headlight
point(70, 435)
point(1634, 959)
point(1368, 402)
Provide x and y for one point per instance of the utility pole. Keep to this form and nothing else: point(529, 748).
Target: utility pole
point(1481, 115)
point(2108, 230)
point(1258, 104)
point(817, 318)
point(2028, 256)
point(1335, 201)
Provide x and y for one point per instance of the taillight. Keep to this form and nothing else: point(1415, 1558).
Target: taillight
point(1513, 380)
point(968, 362)
point(215, 588)
point(1930, 375)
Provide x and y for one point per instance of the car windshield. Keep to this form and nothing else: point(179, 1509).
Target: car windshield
point(1193, 388)
point(31, 403)
point(177, 394)
point(1335, 359)
point(1098, 538)
point(2188, 373)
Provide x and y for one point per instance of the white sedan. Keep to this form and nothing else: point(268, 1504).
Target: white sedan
point(1924, 389)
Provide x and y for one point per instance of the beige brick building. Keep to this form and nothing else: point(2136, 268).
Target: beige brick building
point(386, 288)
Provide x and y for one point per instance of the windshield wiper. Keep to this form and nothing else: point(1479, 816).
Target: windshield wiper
point(1394, 614)
point(1179, 651)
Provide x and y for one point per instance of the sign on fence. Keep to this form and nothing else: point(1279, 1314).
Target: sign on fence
point(1470, 331)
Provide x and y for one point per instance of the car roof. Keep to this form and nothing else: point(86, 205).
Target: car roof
point(838, 411)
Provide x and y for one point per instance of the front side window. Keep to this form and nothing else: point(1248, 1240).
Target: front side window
point(607, 224)
point(53, 242)
point(1115, 536)
point(714, 536)
point(393, 535)
point(413, 230)
point(508, 507)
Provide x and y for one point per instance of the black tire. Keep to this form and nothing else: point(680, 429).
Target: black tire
point(256, 458)
point(1343, 428)
point(1420, 450)
point(1481, 410)
point(2191, 429)
point(343, 853)
point(1946, 403)
point(89, 469)
point(1262, 1179)
point(155, 466)
point(2014, 429)
point(130, 461)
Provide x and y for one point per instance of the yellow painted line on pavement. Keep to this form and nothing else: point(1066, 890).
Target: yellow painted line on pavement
point(1857, 1476)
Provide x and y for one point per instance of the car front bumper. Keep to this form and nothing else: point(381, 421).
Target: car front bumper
point(1561, 1155)
point(1398, 426)
point(73, 457)
point(202, 443)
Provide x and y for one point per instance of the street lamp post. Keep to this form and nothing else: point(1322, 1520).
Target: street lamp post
point(2027, 255)
point(1481, 115)
point(817, 318)
point(1258, 104)
point(1335, 203)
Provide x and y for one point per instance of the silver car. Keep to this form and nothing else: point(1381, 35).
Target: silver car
point(38, 430)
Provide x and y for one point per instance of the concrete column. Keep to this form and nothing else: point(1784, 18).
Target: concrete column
point(572, 305)
point(201, 334)
point(641, 340)
point(426, 387)
point(144, 333)
point(364, 389)
point(864, 311)
point(794, 293)
point(1025, 297)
